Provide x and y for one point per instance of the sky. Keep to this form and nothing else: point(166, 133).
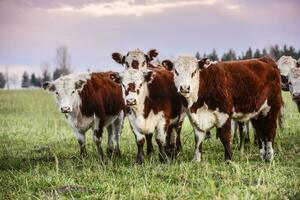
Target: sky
point(31, 30)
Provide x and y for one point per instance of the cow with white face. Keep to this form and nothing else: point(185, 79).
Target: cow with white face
point(294, 85)
point(135, 59)
point(91, 101)
point(215, 93)
point(154, 105)
point(285, 64)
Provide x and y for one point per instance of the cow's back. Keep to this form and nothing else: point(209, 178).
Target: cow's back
point(101, 96)
point(244, 84)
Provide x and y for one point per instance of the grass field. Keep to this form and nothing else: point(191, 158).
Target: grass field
point(38, 160)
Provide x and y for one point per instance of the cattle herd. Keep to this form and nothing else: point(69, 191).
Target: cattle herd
point(157, 98)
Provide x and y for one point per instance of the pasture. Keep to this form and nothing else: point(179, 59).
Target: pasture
point(39, 160)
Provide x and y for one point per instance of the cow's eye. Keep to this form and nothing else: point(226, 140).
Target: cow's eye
point(193, 74)
point(73, 92)
point(144, 63)
point(127, 64)
point(176, 72)
point(56, 93)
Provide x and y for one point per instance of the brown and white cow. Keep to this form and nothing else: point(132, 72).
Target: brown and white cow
point(239, 90)
point(154, 105)
point(91, 100)
point(138, 60)
point(294, 85)
point(285, 64)
point(289, 70)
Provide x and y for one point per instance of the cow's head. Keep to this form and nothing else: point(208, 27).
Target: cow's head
point(294, 85)
point(66, 90)
point(135, 59)
point(285, 64)
point(134, 84)
point(186, 74)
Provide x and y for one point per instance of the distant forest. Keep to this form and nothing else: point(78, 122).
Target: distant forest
point(274, 51)
point(63, 66)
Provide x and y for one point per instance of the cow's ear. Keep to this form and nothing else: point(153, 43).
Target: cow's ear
point(151, 55)
point(168, 65)
point(79, 84)
point(116, 77)
point(204, 63)
point(118, 58)
point(149, 75)
point(47, 85)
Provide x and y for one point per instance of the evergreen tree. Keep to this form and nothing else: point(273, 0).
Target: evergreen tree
point(265, 52)
point(230, 55)
point(33, 80)
point(257, 54)
point(198, 56)
point(2, 80)
point(46, 76)
point(213, 56)
point(248, 54)
point(25, 80)
point(275, 52)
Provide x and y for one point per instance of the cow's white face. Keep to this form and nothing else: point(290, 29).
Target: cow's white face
point(294, 83)
point(285, 64)
point(135, 59)
point(186, 75)
point(135, 88)
point(66, 90)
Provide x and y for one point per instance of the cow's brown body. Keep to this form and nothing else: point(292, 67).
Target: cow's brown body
point(102, 98)
point(242, 87)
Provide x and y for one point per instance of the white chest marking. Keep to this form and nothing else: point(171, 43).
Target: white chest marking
point(146, 125)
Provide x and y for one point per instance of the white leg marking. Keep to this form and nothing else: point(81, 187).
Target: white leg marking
point(110, 134)
point(80, 137)
point(161, 134)
point(270, 152)
point(199, 135)
point(262, 151)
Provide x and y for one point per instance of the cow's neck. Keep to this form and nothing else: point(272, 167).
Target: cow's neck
point(193, 98)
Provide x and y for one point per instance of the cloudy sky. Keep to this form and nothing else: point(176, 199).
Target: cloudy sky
point(31, 30)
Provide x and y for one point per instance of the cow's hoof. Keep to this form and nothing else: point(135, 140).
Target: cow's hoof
point(150, 151)
point(140, 160)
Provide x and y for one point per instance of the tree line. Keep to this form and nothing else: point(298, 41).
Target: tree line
point(274, 51)
point(63, 62)
point(63, 67)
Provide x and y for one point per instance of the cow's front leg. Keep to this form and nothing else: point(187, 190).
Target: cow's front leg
point(161, 140)
point(224, 134)
point(199, 138)
point(98, 131)
point(117, 133)
point(81, 141)
point(110, 141)
point(150, 148)
point(140, 141)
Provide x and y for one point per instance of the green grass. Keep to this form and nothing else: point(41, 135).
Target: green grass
point(38, 160)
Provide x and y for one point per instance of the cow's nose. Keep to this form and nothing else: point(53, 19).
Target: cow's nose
point(184, 88)
point(131, 101)
point(296, 95)
point(65, 109)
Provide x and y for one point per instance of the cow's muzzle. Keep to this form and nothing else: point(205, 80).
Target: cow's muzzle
point(65, 109)
point(296, 96)
point(184, 89)
point(131, 102)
